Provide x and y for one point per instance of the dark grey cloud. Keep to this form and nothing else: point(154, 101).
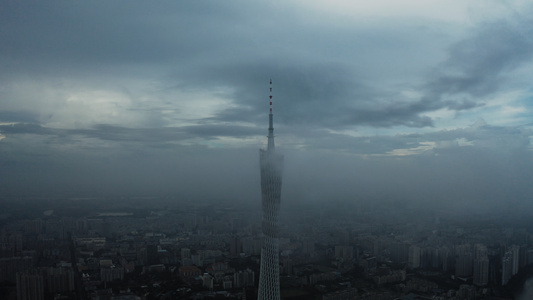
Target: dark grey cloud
point(114, 33)
point(451, 177)
point(18, 116)
point(490, 138)
point(317, 95)
point(454, 176)
point(39, 161)
point(478, 66)
point(319, 75)
point(145, 136)
point(208, 48)
point(142, 98)
point(336, 95)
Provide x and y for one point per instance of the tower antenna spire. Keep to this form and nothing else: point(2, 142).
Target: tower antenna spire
point(271, 145)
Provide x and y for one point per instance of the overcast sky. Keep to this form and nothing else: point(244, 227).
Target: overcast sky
point(412, 100)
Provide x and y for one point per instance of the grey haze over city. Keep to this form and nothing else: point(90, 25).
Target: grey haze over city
point(420, 102)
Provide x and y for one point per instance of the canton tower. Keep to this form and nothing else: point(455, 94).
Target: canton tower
point(271, 167)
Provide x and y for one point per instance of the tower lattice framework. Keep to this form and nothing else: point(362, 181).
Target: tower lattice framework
point(271, 169)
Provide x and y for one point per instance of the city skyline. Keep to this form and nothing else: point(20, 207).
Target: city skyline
point(129, 133)
point(418, 101)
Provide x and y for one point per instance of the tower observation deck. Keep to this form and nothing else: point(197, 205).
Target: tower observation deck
point(271, 169)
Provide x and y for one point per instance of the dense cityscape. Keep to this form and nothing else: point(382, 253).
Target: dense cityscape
point(134, 163)
point(152, 248)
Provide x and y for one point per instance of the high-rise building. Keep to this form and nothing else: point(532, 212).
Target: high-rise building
point(30, 286)
point(481, 265)
point(414, 257)
point(151, 254)
point(463, 261)
point(271, 168)
point(244, 278)
point(481, 271)
point(507, 267)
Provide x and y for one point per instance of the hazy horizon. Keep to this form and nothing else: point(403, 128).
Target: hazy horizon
point(418, 102)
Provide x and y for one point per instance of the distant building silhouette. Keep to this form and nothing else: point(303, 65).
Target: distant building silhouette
point(463, 261)
point(510, 263)
point(414, 257)
point(151, 254)
point(481, 266)
point(271, 167)
point(30, 286)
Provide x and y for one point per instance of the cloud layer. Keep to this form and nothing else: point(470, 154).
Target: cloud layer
point(99, 97)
